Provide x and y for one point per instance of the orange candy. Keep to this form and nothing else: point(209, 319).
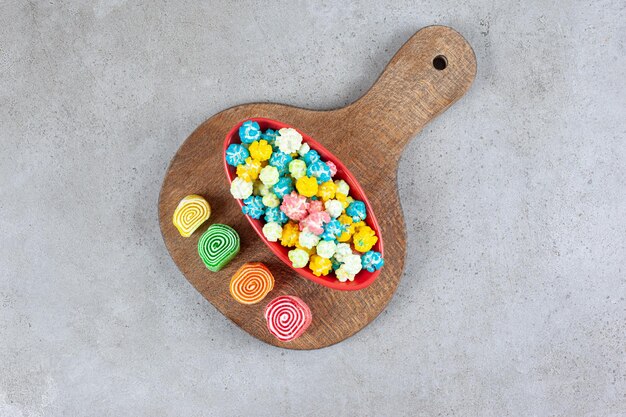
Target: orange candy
point(251, 283)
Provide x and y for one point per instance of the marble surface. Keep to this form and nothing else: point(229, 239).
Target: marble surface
point(513, 299)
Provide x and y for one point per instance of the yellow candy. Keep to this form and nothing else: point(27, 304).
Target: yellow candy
point(250, 171)
point(290, 235)
point(260, 150)
point(327, 190)
point(320, 266)
point(307, 250)
point(307, 186)
point(191, 212)
point(347, 235)
point(343, 199)
point(364, 238)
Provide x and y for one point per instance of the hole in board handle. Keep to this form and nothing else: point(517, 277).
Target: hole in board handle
point(440, 62)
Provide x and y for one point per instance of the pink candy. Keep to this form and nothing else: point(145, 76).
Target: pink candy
point(315, 205)
point(294, 206)
point(313, 223)
point(333, 168)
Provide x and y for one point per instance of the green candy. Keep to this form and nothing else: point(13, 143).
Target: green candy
point(218, 246)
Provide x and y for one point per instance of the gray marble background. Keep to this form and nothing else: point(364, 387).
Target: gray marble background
point(513, 299)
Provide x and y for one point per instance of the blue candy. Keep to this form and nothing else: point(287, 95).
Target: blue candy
point(332, 230)
point(311, 156)
point(372, 261)
point(283, 187)
point(335, 263)
point(356, 210)
point(280, 160)
point(319, 170)
point(270, 136)
point(274, 214)
point(236, 154)
point(253, 206)
point(249, 132)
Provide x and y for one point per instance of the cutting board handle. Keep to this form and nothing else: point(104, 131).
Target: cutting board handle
point(432, 70)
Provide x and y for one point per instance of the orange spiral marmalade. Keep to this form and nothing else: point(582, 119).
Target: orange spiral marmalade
point(251, 283)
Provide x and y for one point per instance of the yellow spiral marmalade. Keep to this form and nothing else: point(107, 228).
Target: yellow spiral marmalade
point(251, 283)
point(191, 212)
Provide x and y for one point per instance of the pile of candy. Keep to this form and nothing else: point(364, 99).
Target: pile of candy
point(284, 182)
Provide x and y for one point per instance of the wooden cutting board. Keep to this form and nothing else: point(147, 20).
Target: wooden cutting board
point(368, 136)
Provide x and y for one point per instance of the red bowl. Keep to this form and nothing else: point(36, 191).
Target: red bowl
point(363, 278)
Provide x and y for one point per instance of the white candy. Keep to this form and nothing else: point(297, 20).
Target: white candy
point(240, 189)
point(352, 264)
point(272, 231)
point(289, 140)
point(269, 175)
point(271, 200)
point(326, 248)
point(334, 208)
point(343, 275)
point(308, 240)
point(342, 251)
point(304, 148)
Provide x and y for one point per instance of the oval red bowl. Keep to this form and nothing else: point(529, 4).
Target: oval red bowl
point(363, 278)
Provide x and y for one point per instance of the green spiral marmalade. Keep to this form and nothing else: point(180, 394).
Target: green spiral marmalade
point(218, 246)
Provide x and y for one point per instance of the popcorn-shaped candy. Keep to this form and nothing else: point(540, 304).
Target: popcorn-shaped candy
point(319, 170)
point(315, 205)
point(236, 154)
point(314, 222)
point(311, 156)
point(334, 208)
point(250, 170)
point(269, 136)
point(372, 261)
point(240, 188)
point(290, 234)
point(289, 140)
point(332, 167)
point(304, 148)
point(326, 190)
point(269, 175)
point(294, 206)
point(342, 251)
point(281, 161)
point(274, 214)
point(308, 240)
point(260, 150)
point(320, 266)
point(299, 258)
point(270, 200)
point(343, 275)
point(326, 248)
point(364, 238)
point(352, 264)
point(335, 263)
point(253, 206)
point(343, 199)
point(283, 187)
point(272, 231)
point(249, 132)
point(342, 187)
point(356, 210)
point(310, 251)
point(349, 228)
point(307, 186)
point(297, 168)
point(260, 189)
point(332, 230)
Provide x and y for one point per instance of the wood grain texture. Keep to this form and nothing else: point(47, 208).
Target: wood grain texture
point(409, 93)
